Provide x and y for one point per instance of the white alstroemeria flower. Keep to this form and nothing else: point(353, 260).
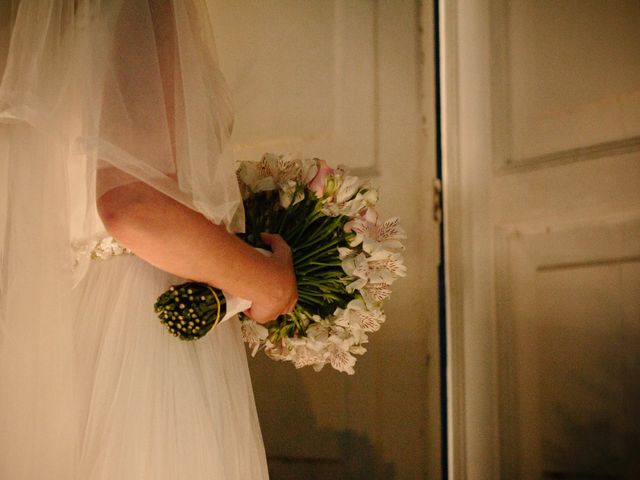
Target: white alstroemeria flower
point(318, 367)
point(359, 315)
point(316, 348)
point(351, 332)
point(385, 266)
point(284, 169)
point(254, 334)
point(330, 209)
point(380, 267)
point(345, 253)
point(308, 170)
point(357, 284)
point(339, 318)
point(277, 351)
point(266, 184)
point(263, 175)
point(296, 342)
point(290, 194)
point(247, 172)
point(289, 169)
point(357, 350)
point(348, 189)
point(268, 165)
point(374, 293)
point(356, 266)
point(345, 337)
point(318, 334)
point(333, 183)
point(301, 170)
point(359, 336)
point(305, 356)
point(318, 340)
point(364, 199)
point(351, 197)
point(303, 359)
point(318, 321)
point(342, 360)
point(371, 232)
point(255, 177)
point(245, 191)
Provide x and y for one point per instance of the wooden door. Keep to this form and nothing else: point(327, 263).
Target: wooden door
point(542, 195)
point(351, 82)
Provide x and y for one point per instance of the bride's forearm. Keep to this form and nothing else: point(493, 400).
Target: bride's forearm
point(181, 241)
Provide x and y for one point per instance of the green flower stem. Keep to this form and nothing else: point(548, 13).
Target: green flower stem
point(287, 211)
point(320, 284)
point(296, 321)
point(310, 295)
point(321, 293)
point(312, 299)
point(315, 263)
point(329, 273)
point(299, 231)
point(322, 250)
point(315, 267)
point(327, 233)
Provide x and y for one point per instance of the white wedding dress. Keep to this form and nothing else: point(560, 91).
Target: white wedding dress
point(94, 95)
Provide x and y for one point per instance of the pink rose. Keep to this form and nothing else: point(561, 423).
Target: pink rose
point(317, 183)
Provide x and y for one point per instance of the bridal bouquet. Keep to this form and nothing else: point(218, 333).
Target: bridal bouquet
point(345, 259)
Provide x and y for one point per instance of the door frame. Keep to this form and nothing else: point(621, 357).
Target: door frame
point(472, 400)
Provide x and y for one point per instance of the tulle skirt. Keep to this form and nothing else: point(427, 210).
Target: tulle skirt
point(143, 404)
point(152, 406)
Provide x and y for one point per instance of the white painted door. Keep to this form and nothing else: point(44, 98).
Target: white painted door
point(542, 195)
point(351, 82)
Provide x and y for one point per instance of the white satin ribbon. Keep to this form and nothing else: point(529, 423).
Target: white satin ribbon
point(235, 304)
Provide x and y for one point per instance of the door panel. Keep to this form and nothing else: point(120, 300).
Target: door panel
point(568, 329)
point(542, 51)
point(351, 82)
point(542, 189)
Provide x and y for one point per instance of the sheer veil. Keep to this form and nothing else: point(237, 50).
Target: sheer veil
point(93, 94)
point(131, 90)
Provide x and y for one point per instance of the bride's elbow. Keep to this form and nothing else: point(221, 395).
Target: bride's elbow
point(120, 209)
point(112, 211)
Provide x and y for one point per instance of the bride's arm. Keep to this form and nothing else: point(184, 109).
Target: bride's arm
point(175, 238)
point(181, 241)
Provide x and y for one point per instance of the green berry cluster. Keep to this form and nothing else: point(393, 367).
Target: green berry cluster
point(190, 310)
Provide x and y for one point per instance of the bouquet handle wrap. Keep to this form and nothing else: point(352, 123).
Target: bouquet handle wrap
point(236, 305)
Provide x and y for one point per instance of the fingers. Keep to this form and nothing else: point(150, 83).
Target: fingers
point(274, 240)
point(268, 238)
point(284, 292)
point(264, 317)
point(261, 318)
point(277, 243)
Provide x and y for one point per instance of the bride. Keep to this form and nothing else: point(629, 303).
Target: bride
point(116, 181)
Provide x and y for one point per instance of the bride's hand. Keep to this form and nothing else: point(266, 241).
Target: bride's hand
point(283, 295)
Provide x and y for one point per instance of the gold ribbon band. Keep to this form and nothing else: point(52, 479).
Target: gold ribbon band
point(215, 295)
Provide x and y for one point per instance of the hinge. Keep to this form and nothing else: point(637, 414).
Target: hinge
point(437, 200)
